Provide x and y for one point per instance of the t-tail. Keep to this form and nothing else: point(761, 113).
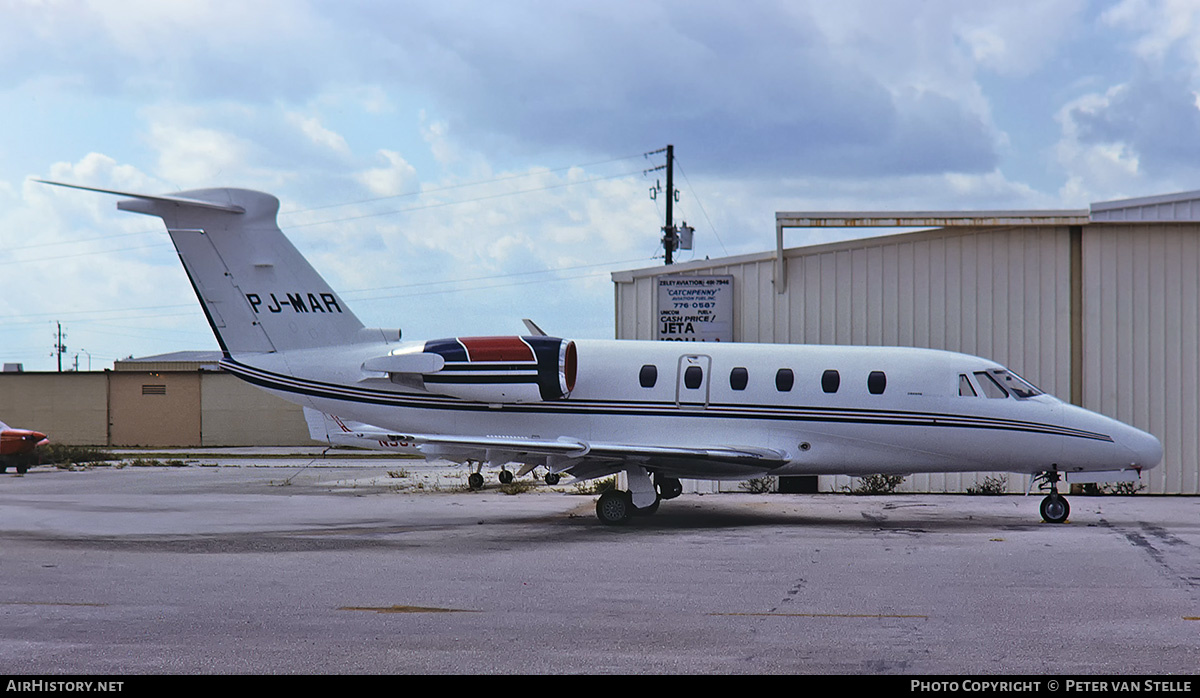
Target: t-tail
point(258, 292)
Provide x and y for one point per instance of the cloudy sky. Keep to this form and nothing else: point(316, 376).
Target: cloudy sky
point(454, 166)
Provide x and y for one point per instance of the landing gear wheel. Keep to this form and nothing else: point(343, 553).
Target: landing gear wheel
point(553, 478)
point(1055, 509)
point(505, 477)
point(669, 487)
point(647, 511)
point(614, 507)
point(475, 481)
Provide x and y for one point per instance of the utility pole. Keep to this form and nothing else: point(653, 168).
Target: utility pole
point(671, 239)
point(59, 347)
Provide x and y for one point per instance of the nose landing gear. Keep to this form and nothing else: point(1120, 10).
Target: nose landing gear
point(1055, 508)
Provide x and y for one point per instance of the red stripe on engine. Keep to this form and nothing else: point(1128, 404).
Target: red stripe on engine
point(496, 349)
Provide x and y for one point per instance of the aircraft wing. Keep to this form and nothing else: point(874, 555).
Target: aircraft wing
point(581, 459)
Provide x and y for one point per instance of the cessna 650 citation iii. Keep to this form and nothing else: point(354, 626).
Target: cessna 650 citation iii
point(657, 411)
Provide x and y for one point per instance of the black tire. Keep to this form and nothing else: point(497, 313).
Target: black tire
point(505, 477)
point(22, 468)
point(1055, 509)
point(553, 478)
point(3, 467)
point(648, 511)
point(475, 481)
point(614, 507)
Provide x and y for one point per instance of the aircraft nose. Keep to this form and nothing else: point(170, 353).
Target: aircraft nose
point(1147, 451)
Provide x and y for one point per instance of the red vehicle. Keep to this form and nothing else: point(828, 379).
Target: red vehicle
point(18, 447)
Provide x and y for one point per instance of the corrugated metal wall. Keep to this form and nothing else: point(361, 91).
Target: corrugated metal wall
point(1142, 339)
point(1004, 294)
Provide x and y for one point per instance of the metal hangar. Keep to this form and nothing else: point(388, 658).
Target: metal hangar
point(1099, 306)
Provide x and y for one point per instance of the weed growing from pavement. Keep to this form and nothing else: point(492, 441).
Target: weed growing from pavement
point(516, 487)
point(595, 486)
point(759, 485)
point(876, 484)
point(994, 484)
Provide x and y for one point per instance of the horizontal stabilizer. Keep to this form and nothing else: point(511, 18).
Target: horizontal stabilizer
point(180, 200)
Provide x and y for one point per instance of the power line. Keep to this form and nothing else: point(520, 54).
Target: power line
point(443, 204)
point(58, 257)
point(696, 196)
point(90, 315)
point(462, 185)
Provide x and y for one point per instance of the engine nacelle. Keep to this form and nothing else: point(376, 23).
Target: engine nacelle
point(503, 369)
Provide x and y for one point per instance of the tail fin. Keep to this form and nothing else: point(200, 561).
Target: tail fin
point(258, 292)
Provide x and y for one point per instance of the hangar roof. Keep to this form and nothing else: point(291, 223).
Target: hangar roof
point(173, 361)
point(1165, 208)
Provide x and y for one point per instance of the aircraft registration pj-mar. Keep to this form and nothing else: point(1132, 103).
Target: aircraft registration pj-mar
point(18, 447)
point(656, 411)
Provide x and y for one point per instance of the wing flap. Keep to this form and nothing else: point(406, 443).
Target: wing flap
point(581, 459)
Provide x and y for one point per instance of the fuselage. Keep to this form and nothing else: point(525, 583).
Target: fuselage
point(15, 442)
point(830, 409)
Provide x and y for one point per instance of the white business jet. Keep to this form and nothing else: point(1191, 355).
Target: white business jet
point(656, 411)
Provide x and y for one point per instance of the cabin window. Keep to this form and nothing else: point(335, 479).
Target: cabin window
point(693, 377)
point(784, 379)
point(989, 386)
point(830, 380)
point(876, 382)
point(648, 376)
point(738, 378)
point(965, 389)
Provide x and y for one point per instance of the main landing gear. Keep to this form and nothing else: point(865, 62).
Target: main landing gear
point(615, 507)
point(1055, 508)
point(21, 463)
point(475, 479)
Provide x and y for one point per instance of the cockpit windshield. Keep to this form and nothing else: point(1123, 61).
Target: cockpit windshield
point(1016, 385)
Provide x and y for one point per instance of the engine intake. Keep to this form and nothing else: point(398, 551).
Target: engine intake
point(503, 369)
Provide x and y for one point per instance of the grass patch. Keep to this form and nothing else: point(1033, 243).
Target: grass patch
point(517, 487)
point(64, 456)
point(155, 463)
point(596, 486)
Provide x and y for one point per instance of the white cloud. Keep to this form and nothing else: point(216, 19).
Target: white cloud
point(311, 127)
point(1163, 25)
point(398, 177)
point(196, 156)
point(771, 106)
